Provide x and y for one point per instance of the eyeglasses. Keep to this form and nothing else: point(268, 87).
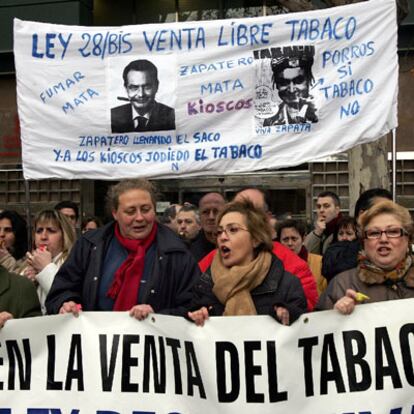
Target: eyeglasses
point(230, 230)
point(391, 233)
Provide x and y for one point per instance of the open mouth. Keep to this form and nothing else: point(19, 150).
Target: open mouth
point(139, 228)
point(225, 252)
point(383, 251)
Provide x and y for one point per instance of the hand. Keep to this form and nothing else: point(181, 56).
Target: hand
point(3, 251)
point(71, 307)
point(346, 304)
point(320, 226)
point(4, 316)
point(39, 259)
point(30, 273)
point(140, 312)
point(199, 316)
point(282, 315)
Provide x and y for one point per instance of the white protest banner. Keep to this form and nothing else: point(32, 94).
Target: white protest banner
point(109, 363)
point(209, 97)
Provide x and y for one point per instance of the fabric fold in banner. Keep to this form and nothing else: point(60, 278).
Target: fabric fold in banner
point(201, 98)
point(108, 362)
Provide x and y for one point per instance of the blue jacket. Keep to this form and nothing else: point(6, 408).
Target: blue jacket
point(168, 290)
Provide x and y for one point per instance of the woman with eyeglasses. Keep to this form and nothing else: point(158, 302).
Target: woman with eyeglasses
point(246, 278)
point(385, 269)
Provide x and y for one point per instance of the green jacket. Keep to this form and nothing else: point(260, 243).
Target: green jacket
point(18, 295)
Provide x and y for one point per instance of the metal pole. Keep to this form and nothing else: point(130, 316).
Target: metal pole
point(264, 8)
point(177, 11)
point(28, 213)
point(394, 165)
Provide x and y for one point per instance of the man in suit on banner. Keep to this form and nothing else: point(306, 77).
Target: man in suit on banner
point(143, 112)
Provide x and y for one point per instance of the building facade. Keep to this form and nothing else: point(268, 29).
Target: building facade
point(292, 190)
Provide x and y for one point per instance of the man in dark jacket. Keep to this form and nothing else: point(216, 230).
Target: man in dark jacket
point(131, 264)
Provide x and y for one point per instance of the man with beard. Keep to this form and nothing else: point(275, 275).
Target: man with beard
point(143, 112)
point(292, 77)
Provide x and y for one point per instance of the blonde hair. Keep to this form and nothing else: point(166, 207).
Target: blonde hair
point(59, 220)
point(388, 207)
point(257, 222)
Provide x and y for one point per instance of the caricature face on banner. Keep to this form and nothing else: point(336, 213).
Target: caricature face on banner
point(201, 98)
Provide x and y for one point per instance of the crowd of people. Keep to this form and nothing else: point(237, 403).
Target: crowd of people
point(218, 258)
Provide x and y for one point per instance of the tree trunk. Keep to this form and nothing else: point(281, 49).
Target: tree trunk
point(367, 168)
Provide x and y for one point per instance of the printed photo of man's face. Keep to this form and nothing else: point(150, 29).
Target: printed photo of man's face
point(141, 88)
point(292, 85)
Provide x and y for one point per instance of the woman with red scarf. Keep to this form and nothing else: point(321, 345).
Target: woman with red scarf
point(132, 264)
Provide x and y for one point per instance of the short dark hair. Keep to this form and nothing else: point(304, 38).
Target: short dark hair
point(68, 204)
point(299, 226)
point(343, 223)
point(366, 199)
point(19, 229)
point(88, 219)
point(168, 214)
point(190, 208)
point(141, 65)
point(331, 194)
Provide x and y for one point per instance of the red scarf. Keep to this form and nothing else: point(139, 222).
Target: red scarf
point(331, 227)
point(303, 254)
point(125, 286)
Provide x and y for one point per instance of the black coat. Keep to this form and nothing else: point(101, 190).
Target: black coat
point(279, 288)
point(168, 289)
point(201, 247)
point(162, 118)
point(340, 256)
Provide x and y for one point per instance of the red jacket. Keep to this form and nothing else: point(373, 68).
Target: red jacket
point(292, 263)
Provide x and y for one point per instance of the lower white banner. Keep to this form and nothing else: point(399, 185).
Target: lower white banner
point(109, 363)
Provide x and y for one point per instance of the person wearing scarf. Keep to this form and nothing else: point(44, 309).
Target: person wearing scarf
point(385, 268)
point(245, 277)
point(132, 264)
point(327, 216)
